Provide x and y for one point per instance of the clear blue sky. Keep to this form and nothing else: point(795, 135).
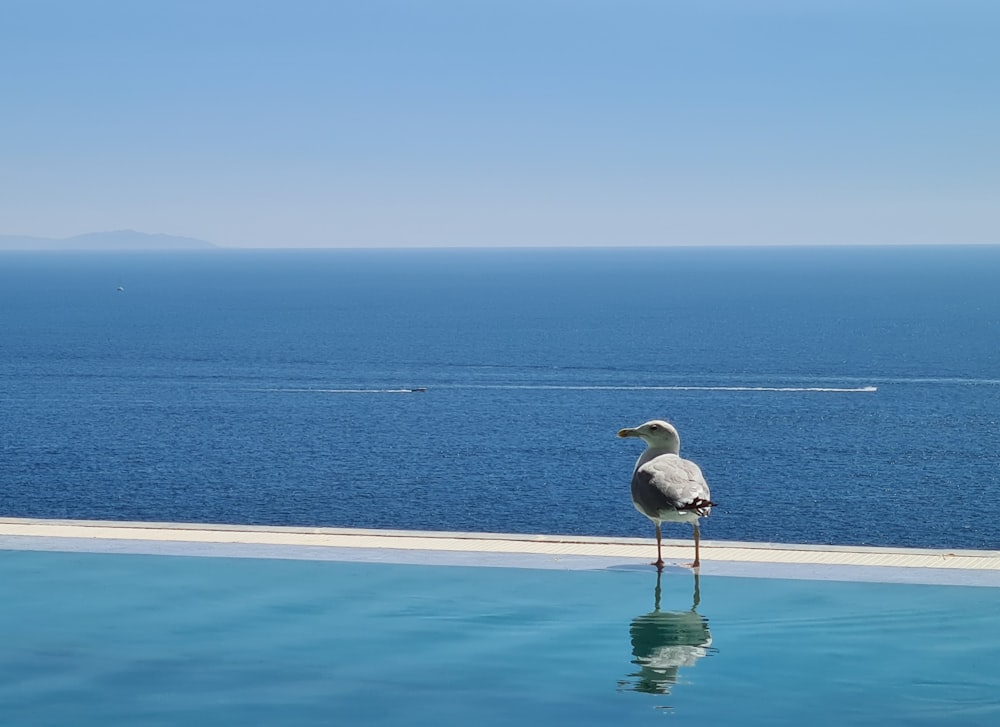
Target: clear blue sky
point(276, 123)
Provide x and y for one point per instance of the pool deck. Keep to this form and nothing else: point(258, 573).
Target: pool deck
point(769, 560)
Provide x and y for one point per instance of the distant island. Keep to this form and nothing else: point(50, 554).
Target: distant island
point(115, 240)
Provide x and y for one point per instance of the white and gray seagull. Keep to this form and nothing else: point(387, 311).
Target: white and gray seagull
point(665, 487)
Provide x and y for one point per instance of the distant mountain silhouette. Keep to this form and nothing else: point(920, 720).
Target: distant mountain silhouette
point(116, 240)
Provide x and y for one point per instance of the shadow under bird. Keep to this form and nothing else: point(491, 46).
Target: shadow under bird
point(665, 487)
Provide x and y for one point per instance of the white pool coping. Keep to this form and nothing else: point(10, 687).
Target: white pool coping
point(569, 552)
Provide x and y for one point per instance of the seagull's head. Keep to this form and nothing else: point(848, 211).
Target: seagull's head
point(657, 434)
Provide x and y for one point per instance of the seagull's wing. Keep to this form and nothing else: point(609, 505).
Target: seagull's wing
point(668, 483)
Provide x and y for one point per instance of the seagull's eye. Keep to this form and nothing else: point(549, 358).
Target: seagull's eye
point(654, 427)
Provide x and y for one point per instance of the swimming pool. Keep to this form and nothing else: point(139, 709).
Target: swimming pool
point(123, 639)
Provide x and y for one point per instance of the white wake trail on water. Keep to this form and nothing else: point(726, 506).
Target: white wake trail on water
point(289, 390)
point(574, 387)
point(782, 389)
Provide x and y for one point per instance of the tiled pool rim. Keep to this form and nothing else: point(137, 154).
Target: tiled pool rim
point(567, 552)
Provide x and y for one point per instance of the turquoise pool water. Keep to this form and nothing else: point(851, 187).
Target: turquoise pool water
point(112, 639)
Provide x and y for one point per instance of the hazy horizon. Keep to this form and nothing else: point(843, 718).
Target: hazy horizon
point(92, 242)
point(552, 124)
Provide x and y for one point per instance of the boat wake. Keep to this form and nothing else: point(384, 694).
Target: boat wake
point(783, 389)
point(574, 387)
point(285, 390)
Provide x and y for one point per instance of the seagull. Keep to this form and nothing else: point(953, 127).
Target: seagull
point(665, 487)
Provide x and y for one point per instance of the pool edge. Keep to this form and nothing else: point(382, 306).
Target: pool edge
point(780, 560)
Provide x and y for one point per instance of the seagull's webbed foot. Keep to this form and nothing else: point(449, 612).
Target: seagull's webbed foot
point(659, 565)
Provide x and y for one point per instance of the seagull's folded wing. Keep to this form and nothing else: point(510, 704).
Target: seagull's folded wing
point(670, 482)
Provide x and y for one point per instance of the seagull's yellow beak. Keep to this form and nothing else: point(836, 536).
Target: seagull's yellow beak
point(626, 433)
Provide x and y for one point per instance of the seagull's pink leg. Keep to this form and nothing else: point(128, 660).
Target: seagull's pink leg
point(659, 556)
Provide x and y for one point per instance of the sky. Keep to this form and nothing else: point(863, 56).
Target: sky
point(405, 123)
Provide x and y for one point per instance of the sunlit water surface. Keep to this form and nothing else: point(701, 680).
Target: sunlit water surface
point(109, 639)
point(833, 396)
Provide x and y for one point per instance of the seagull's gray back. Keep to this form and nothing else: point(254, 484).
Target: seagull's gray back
point(668, 487)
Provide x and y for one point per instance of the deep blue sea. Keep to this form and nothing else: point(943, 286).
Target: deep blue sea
point(831, 395)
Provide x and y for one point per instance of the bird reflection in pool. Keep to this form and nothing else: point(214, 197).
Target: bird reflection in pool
point(665, 641)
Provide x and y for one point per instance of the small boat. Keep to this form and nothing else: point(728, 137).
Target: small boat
point(418, 389)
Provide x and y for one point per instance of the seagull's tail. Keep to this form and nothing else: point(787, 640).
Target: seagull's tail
point(700, 506)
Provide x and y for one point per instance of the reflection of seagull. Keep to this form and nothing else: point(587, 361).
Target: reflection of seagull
point(666, 488)
point(664, 641)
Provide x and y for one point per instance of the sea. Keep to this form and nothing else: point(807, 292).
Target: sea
point(835, 395)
